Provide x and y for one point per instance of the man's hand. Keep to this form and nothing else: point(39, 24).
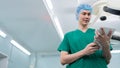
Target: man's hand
point(104, 41)
point(102, 38)
point(90, 48)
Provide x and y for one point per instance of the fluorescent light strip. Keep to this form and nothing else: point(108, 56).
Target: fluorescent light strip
point(54, 18)
point(58, 27)
point(115, 51)
point(20, 47)
point(49, 3)
point(78, 2)
point(2, 34)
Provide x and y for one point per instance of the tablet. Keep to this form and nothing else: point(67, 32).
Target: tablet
point(106, 29)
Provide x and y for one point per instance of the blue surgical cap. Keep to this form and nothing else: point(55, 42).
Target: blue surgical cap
point(82, 7)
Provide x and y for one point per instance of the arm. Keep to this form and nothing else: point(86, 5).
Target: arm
point(106, 52)
point(67, 58)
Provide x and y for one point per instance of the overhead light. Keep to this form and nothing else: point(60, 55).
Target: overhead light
point(20, 47)
point(58, 27)
point(115, 51)
point(78, 1)
point(54, 18)
point(49, 3)
point(2, 34)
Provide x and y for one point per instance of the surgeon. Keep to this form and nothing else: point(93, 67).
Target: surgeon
point(78, 48)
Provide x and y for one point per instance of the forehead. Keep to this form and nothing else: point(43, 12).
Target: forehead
point(85, 11)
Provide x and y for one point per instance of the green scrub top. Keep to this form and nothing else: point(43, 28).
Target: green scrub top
point(77, 40)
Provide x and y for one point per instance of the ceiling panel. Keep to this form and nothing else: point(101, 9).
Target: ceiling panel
point(28, 22)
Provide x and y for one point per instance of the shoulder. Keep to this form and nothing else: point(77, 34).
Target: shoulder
point(91, 29)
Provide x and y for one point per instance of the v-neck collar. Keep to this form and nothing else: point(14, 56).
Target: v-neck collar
point(83, 31)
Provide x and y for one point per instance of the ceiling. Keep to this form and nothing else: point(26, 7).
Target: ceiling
point(29, 23)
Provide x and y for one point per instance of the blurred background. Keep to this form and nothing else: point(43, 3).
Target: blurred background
point(31, 30)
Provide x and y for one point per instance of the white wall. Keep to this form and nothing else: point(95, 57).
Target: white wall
point(3, 62)
point(48, 61)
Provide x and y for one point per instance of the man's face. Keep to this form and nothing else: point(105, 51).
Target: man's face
point(84, 17)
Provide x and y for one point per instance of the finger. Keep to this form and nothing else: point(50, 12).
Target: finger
point(97, 42)
point(97, 47)
point(95, 37)
point(110, 33)
point(97, 33)
point(103, 31)
point(92, 44)
point(93, 50)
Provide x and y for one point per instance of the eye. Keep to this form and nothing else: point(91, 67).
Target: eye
point(89, 14)
point(84, 13)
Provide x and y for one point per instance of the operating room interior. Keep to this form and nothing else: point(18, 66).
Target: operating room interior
point(31, 30)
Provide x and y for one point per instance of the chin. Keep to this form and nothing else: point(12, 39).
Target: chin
point(86, 23)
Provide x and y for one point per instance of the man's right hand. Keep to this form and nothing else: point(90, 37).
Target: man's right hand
point(90, 48)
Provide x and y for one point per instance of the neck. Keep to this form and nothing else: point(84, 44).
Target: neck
point(83, 27)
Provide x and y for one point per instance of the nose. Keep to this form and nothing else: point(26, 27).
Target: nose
point(87, 16)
